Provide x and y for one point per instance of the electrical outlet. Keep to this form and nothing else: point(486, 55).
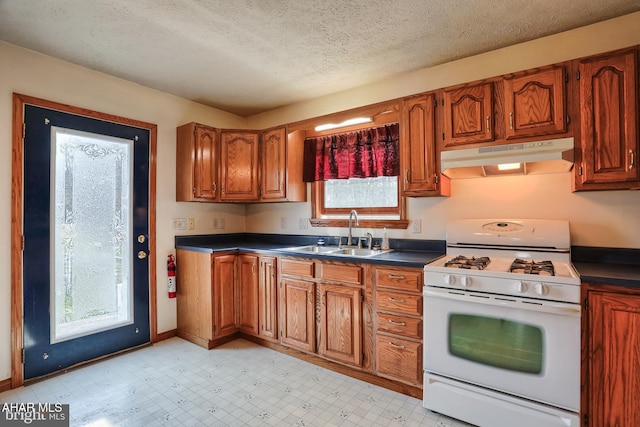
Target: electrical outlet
point(179, 224)
point(214, 223)
point(416, 226)
point(221, 223)
point(303, 223)
point(283, 222)
point(191, 224)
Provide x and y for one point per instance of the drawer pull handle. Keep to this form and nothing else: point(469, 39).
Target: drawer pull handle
point(396, 299)
point(396, 276)
point(393, 322)
point(488, 124)
point(395, 345)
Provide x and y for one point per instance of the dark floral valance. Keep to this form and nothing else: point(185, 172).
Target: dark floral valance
point(360, 154)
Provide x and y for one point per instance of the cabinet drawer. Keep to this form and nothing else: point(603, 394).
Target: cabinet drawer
point(297, 267)
point(399, 303)
point(345, 273)
point(399, 359)
point(408, 280)
point(408, 326)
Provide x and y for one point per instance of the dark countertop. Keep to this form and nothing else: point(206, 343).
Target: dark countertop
point(404, 253)
point(607, 266)
point(596, 265)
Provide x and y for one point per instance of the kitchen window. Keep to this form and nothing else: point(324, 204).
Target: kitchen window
point(355, 170)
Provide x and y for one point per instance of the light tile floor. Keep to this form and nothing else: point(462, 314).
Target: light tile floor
point(176, 383)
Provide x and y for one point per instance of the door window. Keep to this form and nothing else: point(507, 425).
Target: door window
point(90, 233)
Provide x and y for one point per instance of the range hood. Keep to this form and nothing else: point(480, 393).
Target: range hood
point(550, 156)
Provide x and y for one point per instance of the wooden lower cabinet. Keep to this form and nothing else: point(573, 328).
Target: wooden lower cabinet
point(398, 324)
point(247, 281)
point(612, 338)
point(399, 358)
point(321, 308)
point(297, 311)
point(268, 298)
point(341, 323)
point(206, 296)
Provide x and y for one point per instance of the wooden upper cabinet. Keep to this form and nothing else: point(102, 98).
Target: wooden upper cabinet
point(419, 162)
point(468, 115)
point(535, 104)
point(274, 164)
point(281, 166)
point(238, 166)
point(608, 100)
point(196, 163)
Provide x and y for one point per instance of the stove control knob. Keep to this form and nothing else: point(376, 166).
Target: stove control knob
point(521, 287)
point(466, 281)
point(449, 279)
point(541, 289)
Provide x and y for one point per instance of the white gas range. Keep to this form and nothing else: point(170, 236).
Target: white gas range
point(502, 325)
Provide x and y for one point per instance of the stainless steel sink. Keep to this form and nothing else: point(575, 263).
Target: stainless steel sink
point(335, 250)
point(315, 249)
point(359, 252)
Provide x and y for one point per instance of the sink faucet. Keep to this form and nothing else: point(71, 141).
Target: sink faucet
point(352, 214)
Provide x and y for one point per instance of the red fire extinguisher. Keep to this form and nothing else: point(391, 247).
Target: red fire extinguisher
point(171, 273)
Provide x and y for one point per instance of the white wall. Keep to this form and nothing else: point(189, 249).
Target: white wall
point(37, 75)
point(597, 218)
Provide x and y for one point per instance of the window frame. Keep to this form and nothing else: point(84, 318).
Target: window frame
point(382, 113)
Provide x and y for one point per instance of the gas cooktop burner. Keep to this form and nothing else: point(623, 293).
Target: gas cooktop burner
point(543, 268)
point(471, 263)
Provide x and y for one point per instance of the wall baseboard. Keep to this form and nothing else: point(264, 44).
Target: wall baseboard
point(5, 385)
point(166, 335)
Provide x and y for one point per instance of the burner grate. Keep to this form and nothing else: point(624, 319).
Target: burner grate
point(470, 263)
point(542, 268)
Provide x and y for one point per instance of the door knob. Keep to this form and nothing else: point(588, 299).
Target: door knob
point(142, 254)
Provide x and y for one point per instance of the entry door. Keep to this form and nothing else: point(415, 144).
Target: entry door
point(85, 265)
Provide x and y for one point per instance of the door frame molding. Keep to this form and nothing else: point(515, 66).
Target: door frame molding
point(17, 171)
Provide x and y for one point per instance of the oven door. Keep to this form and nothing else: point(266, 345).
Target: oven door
point(523, 347)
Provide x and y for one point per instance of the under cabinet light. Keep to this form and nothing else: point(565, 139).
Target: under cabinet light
point(508, 166)
point(355, 121)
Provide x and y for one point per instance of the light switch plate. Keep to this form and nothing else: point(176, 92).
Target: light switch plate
point(191, 224)
point(416, 226)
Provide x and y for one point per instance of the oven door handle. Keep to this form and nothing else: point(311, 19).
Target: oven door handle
point(561, 308)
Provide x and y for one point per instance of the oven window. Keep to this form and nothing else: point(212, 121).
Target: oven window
point(505, 344)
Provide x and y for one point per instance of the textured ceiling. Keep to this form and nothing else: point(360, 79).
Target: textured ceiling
point(249, 56)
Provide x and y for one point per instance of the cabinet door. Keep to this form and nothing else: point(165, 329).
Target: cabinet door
point(535, 104)
point(238, 166)
point(194, 297)
point(224, 300)
point(248, 275)
point(298, 314)
point(196, 163)
point(608, 120)
point(267, 298)
point(468, 115)
point(614, 359)
point(341, 323)
point(418, 147)
point(274, 164)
